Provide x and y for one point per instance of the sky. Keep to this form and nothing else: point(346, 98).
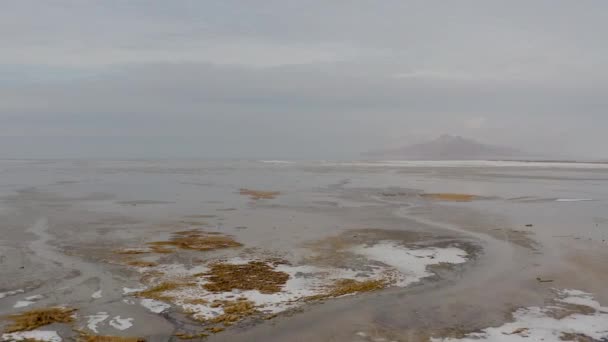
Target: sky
point(301, 79)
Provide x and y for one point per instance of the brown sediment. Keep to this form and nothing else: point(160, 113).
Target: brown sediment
point(518, 331)
point(157, 292)
point(255, 275)
point(196, 301)
point(150, 276)
point(186, 336)
point(142, 263)
point(215, 330)
point(32, 319)
point(194, 223)
point(197, 240)
point(575, 337)
point(567, 309)
point(344, 287)
point(348, 286)
point(234, 311)
point(91, 338)
point(200, 216)
point(453, 332)
point(131, 251)
point(257, 194)
point(161, 249)
point(452, 197)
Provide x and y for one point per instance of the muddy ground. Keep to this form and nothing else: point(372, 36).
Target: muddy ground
point(524, 232)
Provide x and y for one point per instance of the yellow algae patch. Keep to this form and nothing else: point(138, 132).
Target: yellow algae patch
point(197, 240)
point(255, 275)
point(451, 197)
point(257, 194)
point(30, 320)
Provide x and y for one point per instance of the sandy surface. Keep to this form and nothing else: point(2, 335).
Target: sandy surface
point(532, 242)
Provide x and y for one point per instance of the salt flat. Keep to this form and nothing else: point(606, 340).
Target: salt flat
point(323, 251)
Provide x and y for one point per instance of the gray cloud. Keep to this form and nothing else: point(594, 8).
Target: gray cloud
point(299, 79)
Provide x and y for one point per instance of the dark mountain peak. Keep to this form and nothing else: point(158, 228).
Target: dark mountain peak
point(449, 147)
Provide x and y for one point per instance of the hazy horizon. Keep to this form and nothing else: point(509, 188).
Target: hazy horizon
point(299, 80)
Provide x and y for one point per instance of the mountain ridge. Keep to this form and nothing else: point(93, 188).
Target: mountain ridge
point(449, 147)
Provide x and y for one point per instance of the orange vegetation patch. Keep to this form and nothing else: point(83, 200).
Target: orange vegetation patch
point(257, 194)
point(450, 197)
point(32, 319)
point(255, 275)
point(197, 240)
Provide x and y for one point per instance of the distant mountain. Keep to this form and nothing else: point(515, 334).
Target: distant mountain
point(448, 147)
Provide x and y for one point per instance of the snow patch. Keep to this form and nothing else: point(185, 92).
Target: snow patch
point(38, 335)
point(411, 263)
point(121, 323)
point(10, 293)
point(154, 306)
point(97, 294)
point(94, 320)
point(28, 301)
point(538, 323)
point(23, 304)
point(128, 290)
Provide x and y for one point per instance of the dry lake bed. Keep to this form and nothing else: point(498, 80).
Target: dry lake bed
point(303, 251)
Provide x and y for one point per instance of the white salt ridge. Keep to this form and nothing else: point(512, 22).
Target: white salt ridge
point(537, 324)
point(10, 293)
point(154, 306)
point(411, 263)
point(96, 294)
point(36, 297)
point(121, 323)
point(28, 301)
point(127, 290)
point(23, 304)
point(38, 335)
point(94, 320)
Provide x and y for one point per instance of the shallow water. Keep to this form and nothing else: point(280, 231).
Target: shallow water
point(60, 219)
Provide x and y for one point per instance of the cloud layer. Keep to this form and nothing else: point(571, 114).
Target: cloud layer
point(299, 79)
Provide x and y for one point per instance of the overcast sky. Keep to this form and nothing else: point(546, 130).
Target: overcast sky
point(299, 79)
